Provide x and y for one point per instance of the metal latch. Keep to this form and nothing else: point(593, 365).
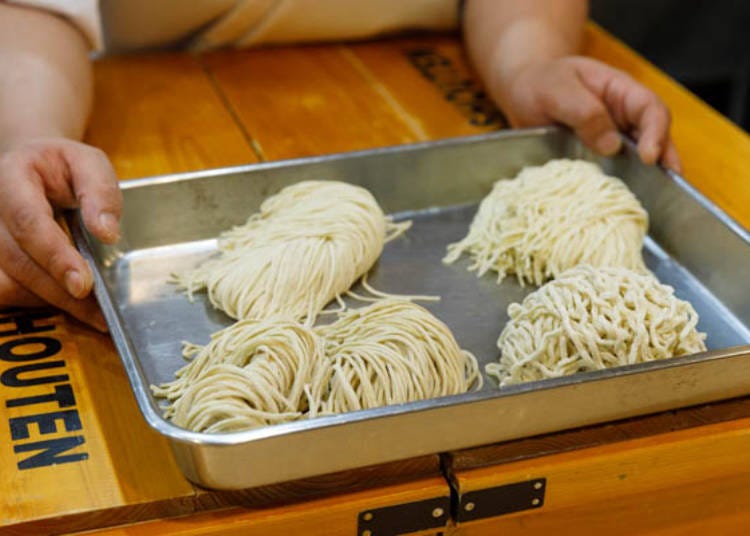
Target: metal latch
point(405, 518)
point(506, 499)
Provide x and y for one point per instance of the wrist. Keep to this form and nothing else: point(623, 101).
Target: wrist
point(528, 43)
point(12, 138)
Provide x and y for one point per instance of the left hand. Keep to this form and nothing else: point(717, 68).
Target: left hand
point(595, 100)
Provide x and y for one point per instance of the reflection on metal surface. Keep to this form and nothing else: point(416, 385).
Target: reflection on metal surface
point(169, 223)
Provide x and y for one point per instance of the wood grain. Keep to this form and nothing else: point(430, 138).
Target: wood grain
point(713, 150)
point(334, 516)
point(127, 464)
point(304, 101)
point(684, 480)
point(430, 81)
point(160, 113)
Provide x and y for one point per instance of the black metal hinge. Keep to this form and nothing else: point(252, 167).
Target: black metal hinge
point(506, 499)
point(405, 518)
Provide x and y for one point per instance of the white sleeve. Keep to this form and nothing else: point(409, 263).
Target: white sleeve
point(83, 14)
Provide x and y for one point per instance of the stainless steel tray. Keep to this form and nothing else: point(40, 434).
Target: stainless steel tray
point(169, 223)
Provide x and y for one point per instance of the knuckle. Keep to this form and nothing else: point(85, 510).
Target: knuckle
point(592, 115)
point(97, 153)
point(23, 221)
point(57, 263)
point(19, 159)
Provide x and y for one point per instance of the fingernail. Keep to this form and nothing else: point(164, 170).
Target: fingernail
point(74, 283)
point(609, 143)
point(109, 224)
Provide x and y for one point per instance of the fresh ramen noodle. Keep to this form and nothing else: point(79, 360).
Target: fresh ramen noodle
point(306, 247)
point(594, 318)
point(251, 374)
point(390, 352)
point(551, 218)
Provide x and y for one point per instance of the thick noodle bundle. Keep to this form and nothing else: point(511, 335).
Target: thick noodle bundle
point(308, 244)
point(251, 374)
point(391, 352)
point(551, 218)
point(594, 318)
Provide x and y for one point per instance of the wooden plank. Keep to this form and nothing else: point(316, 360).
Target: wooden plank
point(429, 79)
point(714, 151)
point(302, 101)
point(654, 485)
point(334, 516)
point(107, 455)
point(159, 113)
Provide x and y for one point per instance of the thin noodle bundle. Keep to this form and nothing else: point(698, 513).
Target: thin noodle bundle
point(390, 352)
point(551, 218)
point(308, 244)
point(594, 318)
point(251, 374)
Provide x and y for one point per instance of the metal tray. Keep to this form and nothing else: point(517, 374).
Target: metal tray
point(169, 222)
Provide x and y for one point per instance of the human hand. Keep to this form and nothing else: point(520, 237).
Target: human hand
point(38, 263)
point(593, 99)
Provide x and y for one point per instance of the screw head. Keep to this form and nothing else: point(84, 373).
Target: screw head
point(437, 512)
point(367, 516)
point(469, 506)
point(537, 485)
point(535, 502)
point(366, 533)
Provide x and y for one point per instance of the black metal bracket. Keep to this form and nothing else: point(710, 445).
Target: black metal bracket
point(405, 518)
point(506, 499)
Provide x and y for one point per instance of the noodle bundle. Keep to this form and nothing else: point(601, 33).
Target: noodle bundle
point(308, 244)
point(591, 319)
point(551, 218)
point(390, 352)
point(251, 374)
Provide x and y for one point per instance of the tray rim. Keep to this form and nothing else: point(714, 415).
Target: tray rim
point(173, 432)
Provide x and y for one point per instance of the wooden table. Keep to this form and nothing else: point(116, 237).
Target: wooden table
point(77, 454)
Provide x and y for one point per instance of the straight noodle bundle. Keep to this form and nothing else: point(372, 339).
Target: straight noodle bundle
point(251, 374)
point(551, 218)
point(390, 352)
point(306, 247)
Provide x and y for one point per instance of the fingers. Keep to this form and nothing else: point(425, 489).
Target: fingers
point(29, 227)
point(635, 108)
point(22, 271)
point(97, 191)
point(11, 293)
point(646, 112)
point(573, 104)
point(671, 159)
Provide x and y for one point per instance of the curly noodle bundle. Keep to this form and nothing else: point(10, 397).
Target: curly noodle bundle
point(308, 244)
point(594, 318)
point(251, 374)
point(551, 218)
point(390, 352)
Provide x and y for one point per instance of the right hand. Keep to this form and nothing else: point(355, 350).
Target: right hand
point(38, 263)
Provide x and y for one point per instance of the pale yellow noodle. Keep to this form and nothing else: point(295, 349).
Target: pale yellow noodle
point(551, 218)
point(305, 248)
point(390, 352)
point(251, 374)
point(594, 318)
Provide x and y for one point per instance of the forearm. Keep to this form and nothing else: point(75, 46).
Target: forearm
point(45, 76)
point(503, 36)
